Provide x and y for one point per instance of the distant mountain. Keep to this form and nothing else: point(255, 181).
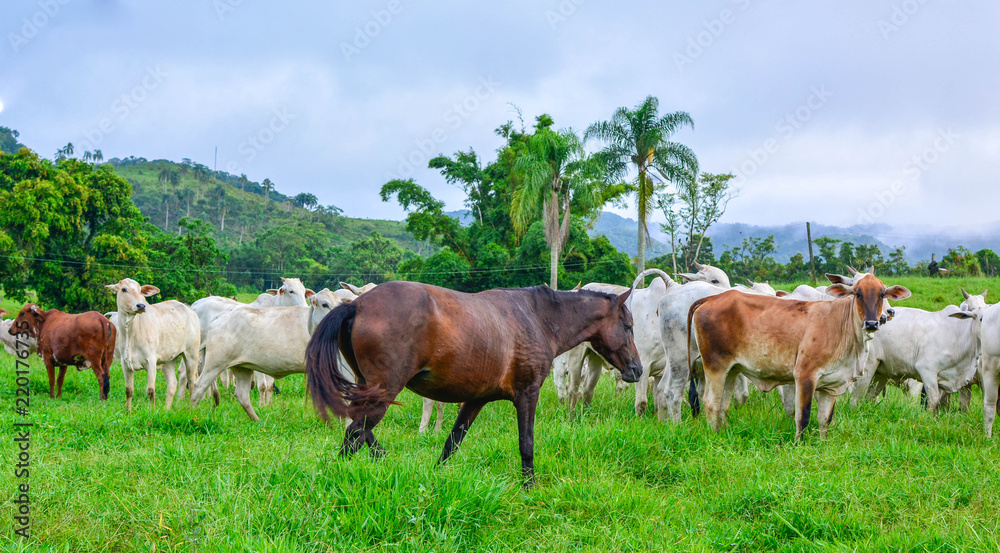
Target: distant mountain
point(791, 238)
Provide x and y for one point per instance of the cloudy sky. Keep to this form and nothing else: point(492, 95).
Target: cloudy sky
point(835, 112)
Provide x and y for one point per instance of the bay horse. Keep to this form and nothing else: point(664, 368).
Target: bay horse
point(456, 347)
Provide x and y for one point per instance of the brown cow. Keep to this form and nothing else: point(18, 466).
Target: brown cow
point(818, 345)
point(83, 340)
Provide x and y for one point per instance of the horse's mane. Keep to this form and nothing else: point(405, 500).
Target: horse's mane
point(558, 297)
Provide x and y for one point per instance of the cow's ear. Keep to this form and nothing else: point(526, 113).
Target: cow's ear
point(624, 296)
point(839, 290)
point(688, 277)
point(838, 279)
point(3, 313)
point(309, 293)
point(111, 286)
point(962, 315)
point(896, 293)
point(577, 287)
point(780, 293)
point(149, 290)
point(272, 291)
point(283, 279)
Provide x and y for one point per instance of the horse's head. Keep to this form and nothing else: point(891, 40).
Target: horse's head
point(613, 339)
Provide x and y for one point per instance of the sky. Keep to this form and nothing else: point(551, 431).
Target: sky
point(842, 113)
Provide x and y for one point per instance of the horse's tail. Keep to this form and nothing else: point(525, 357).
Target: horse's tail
point(329, 390)
point(692, 397)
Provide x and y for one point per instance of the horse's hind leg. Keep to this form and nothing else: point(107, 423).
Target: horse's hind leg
point(466, 415)
point(360, 432)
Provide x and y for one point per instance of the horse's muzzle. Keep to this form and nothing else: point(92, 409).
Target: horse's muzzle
point(632, 372)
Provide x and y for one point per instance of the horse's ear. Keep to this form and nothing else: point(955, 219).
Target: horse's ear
point(624, 296)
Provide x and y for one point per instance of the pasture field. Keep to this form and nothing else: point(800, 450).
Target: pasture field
point(891, 477)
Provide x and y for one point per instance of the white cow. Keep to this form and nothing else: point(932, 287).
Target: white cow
point(672, 327)
point(940, 351)
point(10, 342)
point(152, 335)
point(986, 319)
point(269, 340)
point(292, 293)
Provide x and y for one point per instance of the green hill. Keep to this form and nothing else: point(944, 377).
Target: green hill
point(239, 209)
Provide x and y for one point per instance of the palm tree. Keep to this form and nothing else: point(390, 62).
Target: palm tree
point(268, 187)
point(640, 138)
point(87, 156)
point(98, 156)
point(306, 200)
point(556, 174)
point(68, 149)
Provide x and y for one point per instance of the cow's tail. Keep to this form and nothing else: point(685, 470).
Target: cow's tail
point(666, 278)
point(329, 390)
point(693, 400)
point(110, 336)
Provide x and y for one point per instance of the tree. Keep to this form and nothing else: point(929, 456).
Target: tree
point(555, 173)
point(306, 200)
point(268, 187)
point(827, 254)
point(897, 262)
point(692, 210)
point(751, 259)
point(8, 141)
point(640, 138)
point(989, 262)
point(98, 156)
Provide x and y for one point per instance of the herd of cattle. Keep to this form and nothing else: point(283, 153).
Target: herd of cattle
point(703, 341)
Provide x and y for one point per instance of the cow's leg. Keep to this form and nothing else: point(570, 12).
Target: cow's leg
point(732, 380)
point(440, 421)
point(50, 368)
point(642, 391)
point(59, 380)
point(824, 411)
point(620, 385)
point(170, 376)
point(265, 388)
point(861, 386)
point(574, 378)
point(657, 397)
point(526, 404)
point(805, 386)
point(129, 377)
point(560, 377)
point(933, 392)
point(151, 380)
point(741, 390)
point(674, 389)
point(593, 367)
point(97, 367)
point(945, 401)
point(877, 387)
point(964, 397)
point(787, 394)
point(466, 416)
point(211, 371)
point(712, 402)
point(243, 379)
point(425, 415)
point(990, 383)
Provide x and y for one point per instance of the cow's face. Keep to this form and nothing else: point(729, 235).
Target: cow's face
point(709, 274)
point(320, 304)
point(291, 294)
point(973, 302)
point(870, 296)
point(29, 319)
point(614, 341)
point(131, 297)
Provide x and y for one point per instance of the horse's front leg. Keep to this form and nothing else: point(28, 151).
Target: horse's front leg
point(466, 415)
point(526, 404)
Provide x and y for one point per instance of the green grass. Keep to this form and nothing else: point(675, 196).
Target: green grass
point(891, 477)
